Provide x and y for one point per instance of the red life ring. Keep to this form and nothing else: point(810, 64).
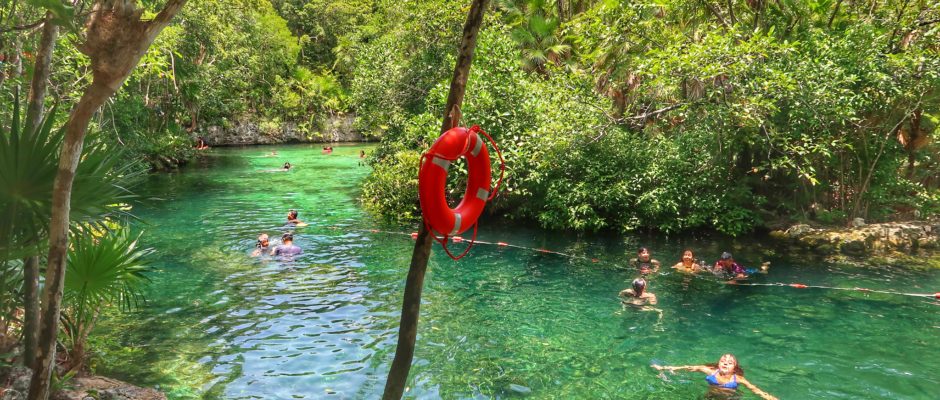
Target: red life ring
point(432, 179)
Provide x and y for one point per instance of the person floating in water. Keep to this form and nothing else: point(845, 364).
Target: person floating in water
point(262, 245)
point(688, 263)
point(327, 149)
point(644, 262)
point(292, 219)
point(287, 166)
point(728, 267)
point(724, 375)
point(287, 246)
point(637, 296)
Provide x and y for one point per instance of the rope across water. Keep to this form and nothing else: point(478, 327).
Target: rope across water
point(458, 239)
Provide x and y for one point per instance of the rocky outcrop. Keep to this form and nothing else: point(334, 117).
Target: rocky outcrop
point(865, 239)
point(338, 128)
point(79, 388)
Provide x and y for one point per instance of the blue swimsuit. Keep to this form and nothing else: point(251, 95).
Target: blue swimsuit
point(713, 380)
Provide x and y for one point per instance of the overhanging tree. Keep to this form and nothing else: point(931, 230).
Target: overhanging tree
point(115, 39)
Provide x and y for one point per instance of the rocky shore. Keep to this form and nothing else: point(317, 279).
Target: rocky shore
point(337, 128)
point(16, 386)
point(862, 240)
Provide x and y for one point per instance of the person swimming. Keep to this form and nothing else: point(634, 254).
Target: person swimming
point(728, 267)
point(644, 262)
point(688, 263)
point(262, 245)
point(637, 297)
point(292, 219)
point(287, 246)
point(287, 166)
point(726, 374)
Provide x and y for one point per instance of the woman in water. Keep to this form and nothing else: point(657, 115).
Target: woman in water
point(644, 262)
point(688, 264)
point(724, 375)
point(262, 246)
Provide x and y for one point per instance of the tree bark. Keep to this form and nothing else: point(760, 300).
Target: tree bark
point(31, 310)
point(116, 39)
point(37, 88)
point(411, 303)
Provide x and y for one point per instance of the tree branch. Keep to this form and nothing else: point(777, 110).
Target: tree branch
point(23, 27)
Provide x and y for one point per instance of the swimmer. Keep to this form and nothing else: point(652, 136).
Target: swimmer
point(638, 297)
point(724, 375)
point(362, 157)
point(287, 166)
point(688, 264)
point(273, 153)
point(292, 219)
point(287, 247)
point(262, 245)
point(727, 266)
point(644, 263)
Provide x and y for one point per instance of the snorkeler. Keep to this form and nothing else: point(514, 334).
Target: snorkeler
point(287, 247)
point(724, 375)
point(261, 246)
point(644, 263)
point(688, 263)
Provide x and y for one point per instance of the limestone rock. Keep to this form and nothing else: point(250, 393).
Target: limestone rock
point(796, 231)
point(858, 222)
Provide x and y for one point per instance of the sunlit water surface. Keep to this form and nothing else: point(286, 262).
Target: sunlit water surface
point(502, 323)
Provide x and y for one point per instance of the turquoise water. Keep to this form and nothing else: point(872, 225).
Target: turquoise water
point(501, 323)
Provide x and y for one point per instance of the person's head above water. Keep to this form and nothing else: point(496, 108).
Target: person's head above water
point(287, 238)
point(688, 256)
point(287, 165)
point(639, 286)
point(728, 364)
point(643, 254)
point(292, 215)
point(263, 240)
point(726, 260)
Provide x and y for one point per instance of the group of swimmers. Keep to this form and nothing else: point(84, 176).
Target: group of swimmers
point(287, 248)
point(726, 374)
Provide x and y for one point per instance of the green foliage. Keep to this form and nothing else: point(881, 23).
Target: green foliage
point(102, 270)
point(673, 116)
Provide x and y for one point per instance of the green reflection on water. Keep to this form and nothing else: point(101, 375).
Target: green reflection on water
point(503, 322)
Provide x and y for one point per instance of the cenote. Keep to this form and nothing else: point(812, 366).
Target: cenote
point(501, 323)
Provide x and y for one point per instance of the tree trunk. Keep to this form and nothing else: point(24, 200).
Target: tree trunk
point(116, 39)
point(37, 88)
point(31, 310)
point(411, 304)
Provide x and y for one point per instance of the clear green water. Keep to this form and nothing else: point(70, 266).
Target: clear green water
point(502, 323)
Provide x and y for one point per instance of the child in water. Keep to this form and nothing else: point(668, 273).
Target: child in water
point(688, 264)
point(725, 375)
point(262, 245)
point(644, 262)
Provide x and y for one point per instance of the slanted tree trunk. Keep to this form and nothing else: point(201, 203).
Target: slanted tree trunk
point(115, 40)
point(30, 310)
point(411, 304)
